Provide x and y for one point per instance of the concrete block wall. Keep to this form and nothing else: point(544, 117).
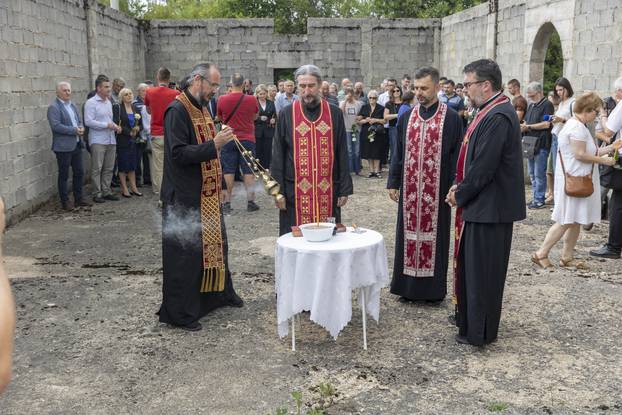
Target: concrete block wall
point(597, 45)
point(43, 42)
point(120, 46)
point(360, 49)
point(510, 29)
point(40, 44)
point(463, 40)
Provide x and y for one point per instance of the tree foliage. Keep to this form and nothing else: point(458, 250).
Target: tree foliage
point(553, 62)
point(291, 15)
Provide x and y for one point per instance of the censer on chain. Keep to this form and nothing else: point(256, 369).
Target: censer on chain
point(260, 172)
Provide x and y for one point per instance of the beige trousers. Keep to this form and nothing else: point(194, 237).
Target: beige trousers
point(156, 162)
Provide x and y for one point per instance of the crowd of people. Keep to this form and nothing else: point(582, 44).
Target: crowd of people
point(564, 137)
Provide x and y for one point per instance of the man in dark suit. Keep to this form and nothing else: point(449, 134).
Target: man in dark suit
point(67, 132)
point(490, 196)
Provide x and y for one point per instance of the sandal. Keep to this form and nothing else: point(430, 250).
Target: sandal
point(543, 263)
point(572, 263)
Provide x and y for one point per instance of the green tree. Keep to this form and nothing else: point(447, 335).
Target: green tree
point(290, 16)
point(553, 62)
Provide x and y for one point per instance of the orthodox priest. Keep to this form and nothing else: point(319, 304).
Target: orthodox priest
point(310, 156)
point(194, 240)
point(490, 196)
point(421, 173)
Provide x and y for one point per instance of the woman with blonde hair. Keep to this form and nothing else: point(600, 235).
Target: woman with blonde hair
point(577, 156)
point(129, 120)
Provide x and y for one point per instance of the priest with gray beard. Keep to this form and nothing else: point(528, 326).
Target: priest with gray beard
point(310, 156)
point(196, 277)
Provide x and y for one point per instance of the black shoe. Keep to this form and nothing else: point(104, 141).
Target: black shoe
point(66, 206)
point(235, 301)
point(370, 175)
point(404, 300)
point(124, 195)
point(98, 199)
point(251, 206)
point(536, 205)
point(83, 203)
point(135, 193)
point(110, 196)
point(226, 208)
point(196, 326)
point(462, 339)
point(605, 252)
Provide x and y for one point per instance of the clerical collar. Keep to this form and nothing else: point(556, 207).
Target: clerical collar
point(489, 100)
point(429, 111)
point(192, 99)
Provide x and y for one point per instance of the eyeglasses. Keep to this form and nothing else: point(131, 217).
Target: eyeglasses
point(468, 84)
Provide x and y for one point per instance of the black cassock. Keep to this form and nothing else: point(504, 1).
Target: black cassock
point(492, 196)
point(426, 288)
point(282, 163)
point(182, 249)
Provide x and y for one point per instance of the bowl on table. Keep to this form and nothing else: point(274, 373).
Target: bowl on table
point(317, 232)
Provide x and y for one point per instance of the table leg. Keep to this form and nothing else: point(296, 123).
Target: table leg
point(362, 297)
point(293, 333)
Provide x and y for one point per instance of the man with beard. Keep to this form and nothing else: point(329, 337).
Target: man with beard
point(194, 239)
point(310, 156)
point(422, 171)
point(490, 196)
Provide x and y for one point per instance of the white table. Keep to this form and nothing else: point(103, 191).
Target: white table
point(320, 276)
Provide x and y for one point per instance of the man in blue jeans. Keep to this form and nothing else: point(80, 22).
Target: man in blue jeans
point(67, 132)
point(535, 126)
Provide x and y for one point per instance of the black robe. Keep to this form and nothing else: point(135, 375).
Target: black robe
point(182, 249)
point(282, 163)
point(492, 195)
point(426, 288)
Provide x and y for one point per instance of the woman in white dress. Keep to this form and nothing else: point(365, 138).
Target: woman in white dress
point(580, 157)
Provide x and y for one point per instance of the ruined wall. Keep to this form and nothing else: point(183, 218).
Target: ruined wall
point(41, 43)
point(360, 49)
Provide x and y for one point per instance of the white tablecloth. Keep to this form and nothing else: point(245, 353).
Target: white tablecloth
point(319, 277)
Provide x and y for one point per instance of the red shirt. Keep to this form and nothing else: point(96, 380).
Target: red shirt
point(157, 100)
point(243, 120)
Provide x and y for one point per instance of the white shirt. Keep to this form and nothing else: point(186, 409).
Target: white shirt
point(382, 100)
point(564, 111)
point(97, 115)
point(614, 121)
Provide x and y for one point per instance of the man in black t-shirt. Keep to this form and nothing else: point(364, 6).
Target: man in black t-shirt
point(535, 126)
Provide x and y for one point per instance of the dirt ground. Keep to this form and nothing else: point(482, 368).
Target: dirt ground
point(87, 286)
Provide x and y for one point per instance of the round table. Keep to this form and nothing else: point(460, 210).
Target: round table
point(320, 276)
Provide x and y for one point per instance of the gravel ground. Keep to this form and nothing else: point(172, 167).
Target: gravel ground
point(87, 286)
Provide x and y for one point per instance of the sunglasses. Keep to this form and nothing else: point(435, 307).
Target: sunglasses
point(373, 97)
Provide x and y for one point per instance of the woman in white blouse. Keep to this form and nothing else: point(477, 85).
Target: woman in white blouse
point(564, 93)
point(579, 157)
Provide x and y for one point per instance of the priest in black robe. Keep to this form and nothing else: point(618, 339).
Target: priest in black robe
point(283, 166)
point(490, 196)
point(417, 281)
point(196, 277)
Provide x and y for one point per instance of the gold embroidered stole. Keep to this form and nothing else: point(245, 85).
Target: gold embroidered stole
point(313, 164)
point(211, 230)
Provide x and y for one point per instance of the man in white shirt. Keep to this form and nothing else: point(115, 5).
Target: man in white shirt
point(610, 126)
point(287, 97)
point(98, 117)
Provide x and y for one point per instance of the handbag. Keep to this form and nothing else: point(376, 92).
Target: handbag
point(577, 186)
point(529, 146)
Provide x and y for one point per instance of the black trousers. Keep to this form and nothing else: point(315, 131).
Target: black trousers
point(615, 221)
point(484, 257)
point(263, 144)
point(65, 160)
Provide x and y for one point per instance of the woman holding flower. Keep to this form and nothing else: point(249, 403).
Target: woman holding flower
point(129, 120)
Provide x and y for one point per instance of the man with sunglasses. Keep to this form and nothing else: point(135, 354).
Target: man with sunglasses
point(490, 196)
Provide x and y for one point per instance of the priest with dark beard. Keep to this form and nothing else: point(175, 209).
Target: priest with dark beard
point(310, 156)
point(489, 195)
point(422, 171)
point(196, 277)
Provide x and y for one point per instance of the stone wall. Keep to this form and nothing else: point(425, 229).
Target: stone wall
point(45, 41)
point(360, 49)
point(41, 43)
